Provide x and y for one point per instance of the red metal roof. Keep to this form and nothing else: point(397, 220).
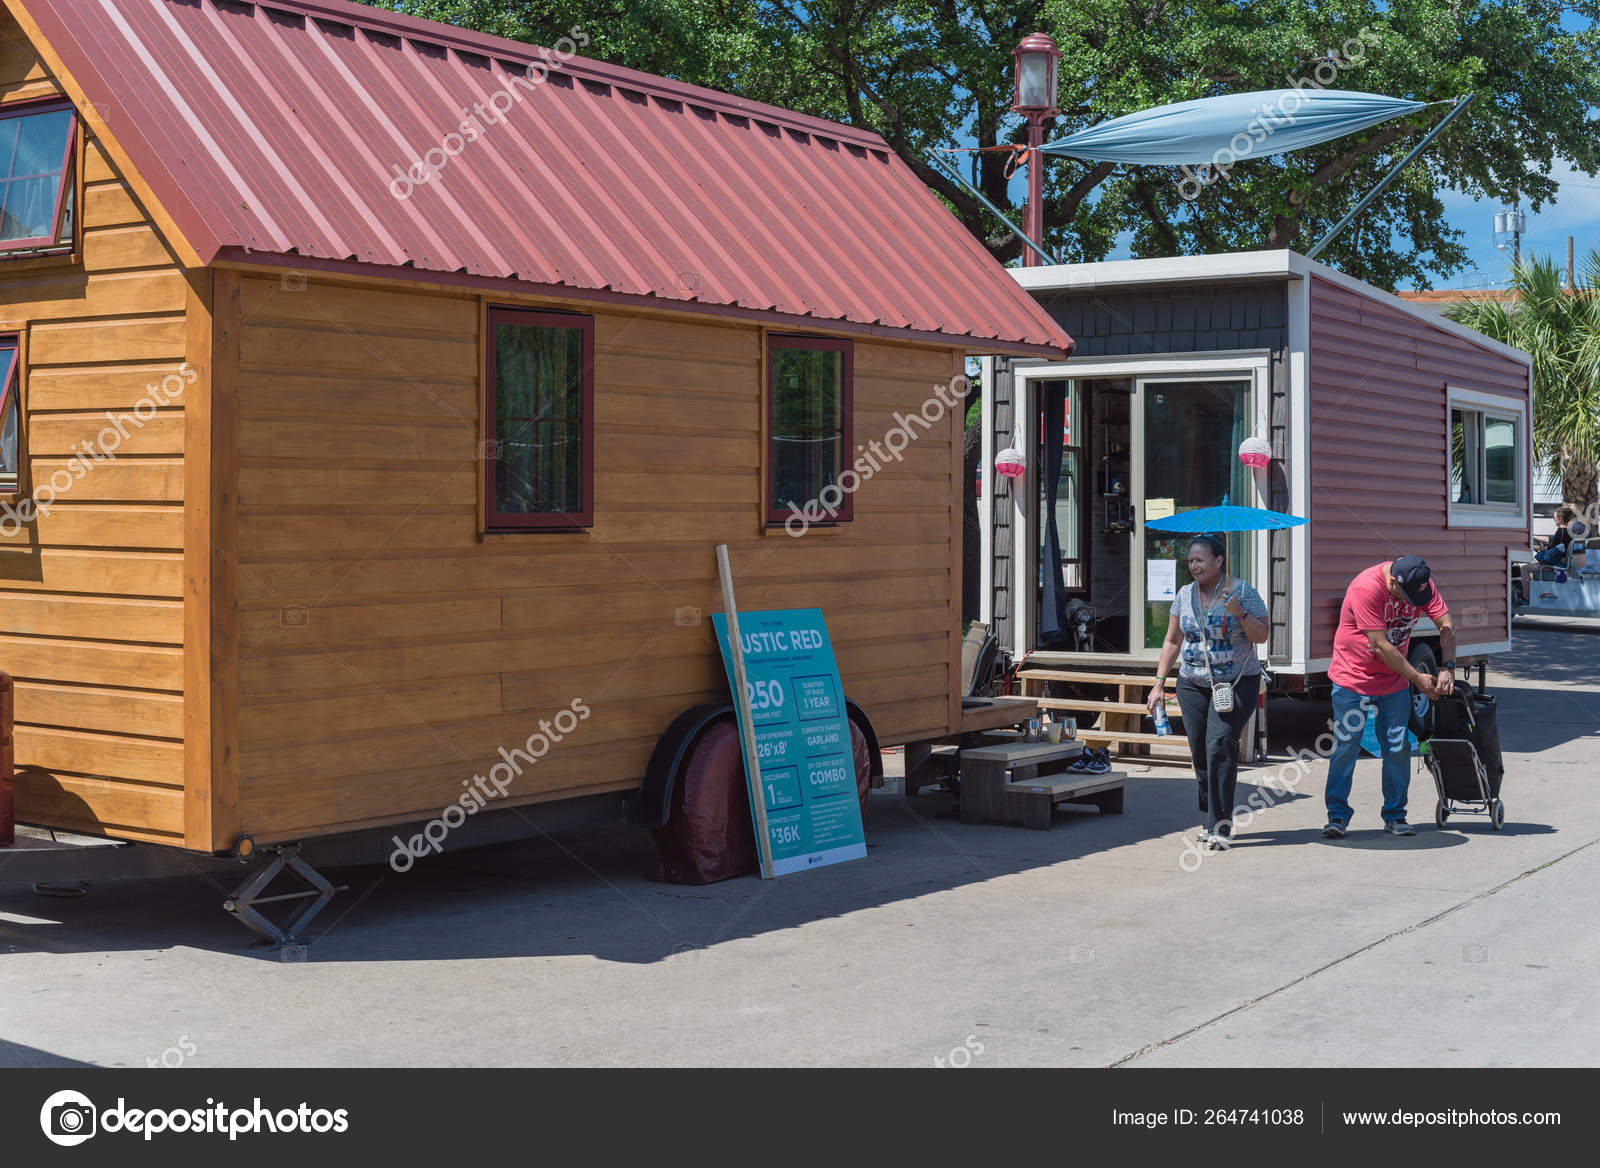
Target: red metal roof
point(277, 128)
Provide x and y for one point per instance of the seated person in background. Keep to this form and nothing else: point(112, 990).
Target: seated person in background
point(1555, 552)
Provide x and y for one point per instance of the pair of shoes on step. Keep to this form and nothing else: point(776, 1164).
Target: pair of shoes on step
point(1091, 762)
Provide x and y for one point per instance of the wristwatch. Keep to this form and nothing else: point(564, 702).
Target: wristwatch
point(1450, 665)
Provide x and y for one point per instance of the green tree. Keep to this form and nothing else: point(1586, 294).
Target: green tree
point(936, 75)
point(1560, 329)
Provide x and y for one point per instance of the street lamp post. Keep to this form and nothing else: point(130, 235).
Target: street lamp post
point(1034, 97)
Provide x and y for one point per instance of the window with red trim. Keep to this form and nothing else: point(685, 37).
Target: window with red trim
point(809, 404)
point(539, 421)
point(35, 168)
point(10, 417)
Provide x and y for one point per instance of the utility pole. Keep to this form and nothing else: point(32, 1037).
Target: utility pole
point(1511, 222)
point(1571, 281)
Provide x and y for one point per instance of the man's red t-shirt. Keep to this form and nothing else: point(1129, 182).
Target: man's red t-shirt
point(1368, 605)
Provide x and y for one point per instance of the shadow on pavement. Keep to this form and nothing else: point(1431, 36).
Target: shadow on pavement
point(590, 894)
point(14, 1054)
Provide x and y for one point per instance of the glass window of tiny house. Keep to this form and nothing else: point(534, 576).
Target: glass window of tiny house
point(1485, 456)
point(809, 406)
point(10, 417)
point(35, 163)
point(539, 421)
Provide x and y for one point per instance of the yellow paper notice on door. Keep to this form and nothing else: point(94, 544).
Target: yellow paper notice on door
point(1159, 508)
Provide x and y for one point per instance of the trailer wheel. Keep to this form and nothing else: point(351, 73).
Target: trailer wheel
point(1497, 815)
point(1440, 813)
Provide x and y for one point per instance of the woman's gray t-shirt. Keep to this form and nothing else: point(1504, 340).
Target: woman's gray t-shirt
point(1232, 654)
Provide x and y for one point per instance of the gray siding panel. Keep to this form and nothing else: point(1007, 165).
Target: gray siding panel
point(1176, 320)
point(1000, 513)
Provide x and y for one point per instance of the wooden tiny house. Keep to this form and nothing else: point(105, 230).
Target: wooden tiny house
point(409, 471)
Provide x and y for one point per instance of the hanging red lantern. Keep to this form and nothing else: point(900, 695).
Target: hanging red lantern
point(1255, 452)
point(1010, 463)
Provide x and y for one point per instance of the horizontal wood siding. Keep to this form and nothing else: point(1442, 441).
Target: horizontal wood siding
point(388, 653)
point(1380, 459)
point(91, 616)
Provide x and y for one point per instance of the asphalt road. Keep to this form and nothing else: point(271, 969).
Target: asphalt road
point(1091, 944)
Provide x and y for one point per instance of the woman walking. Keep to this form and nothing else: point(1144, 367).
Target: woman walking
point(1216, 623)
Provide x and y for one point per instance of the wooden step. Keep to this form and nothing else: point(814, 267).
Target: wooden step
point(1092, 678)
point(1096, 707)
point(1100, 737)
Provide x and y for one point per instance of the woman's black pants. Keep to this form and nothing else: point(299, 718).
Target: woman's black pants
point(1214, 744)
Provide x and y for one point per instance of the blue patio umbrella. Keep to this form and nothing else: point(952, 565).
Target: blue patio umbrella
point(1224, 518)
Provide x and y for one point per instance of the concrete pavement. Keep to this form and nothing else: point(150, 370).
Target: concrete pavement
point(1090, 944)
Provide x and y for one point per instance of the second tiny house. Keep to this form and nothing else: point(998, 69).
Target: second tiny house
point(1392, 430)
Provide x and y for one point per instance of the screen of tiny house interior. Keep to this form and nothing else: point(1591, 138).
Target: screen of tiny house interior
point(1192, 431)
point(538, 462)
point(809, 403)
point(1093, 500)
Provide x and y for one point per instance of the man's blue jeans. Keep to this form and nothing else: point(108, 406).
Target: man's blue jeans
point(1349, 720)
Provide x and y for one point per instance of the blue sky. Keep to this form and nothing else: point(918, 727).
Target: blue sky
point(1576, 212)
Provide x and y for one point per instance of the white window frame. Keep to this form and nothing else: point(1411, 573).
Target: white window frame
point(1489, 405)
point(1251, 365)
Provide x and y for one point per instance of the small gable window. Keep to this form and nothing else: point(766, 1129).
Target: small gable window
point(10, 417)
point(35, 175)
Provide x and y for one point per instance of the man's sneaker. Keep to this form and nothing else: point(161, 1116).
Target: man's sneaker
point(1334, 829)
point(1401, 827)
point(1218, 843)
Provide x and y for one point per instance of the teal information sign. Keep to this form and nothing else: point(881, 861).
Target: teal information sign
point(808, 774)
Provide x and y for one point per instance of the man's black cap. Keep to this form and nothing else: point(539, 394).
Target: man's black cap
point(1413, 575)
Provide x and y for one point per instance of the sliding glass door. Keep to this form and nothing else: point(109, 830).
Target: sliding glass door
point(1186, 454)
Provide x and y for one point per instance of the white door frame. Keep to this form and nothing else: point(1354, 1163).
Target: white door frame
point(1253, 365)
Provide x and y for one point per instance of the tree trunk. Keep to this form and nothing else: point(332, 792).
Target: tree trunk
point(1578, 482)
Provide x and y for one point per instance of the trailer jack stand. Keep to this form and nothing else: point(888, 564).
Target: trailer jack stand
point(247, 900)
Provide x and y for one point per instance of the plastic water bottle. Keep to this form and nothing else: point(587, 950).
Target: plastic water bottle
point(1163, 726)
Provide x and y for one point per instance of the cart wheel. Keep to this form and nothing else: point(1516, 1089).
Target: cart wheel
point(1440, 813)
point(1497, 815)
point(1423, 661)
